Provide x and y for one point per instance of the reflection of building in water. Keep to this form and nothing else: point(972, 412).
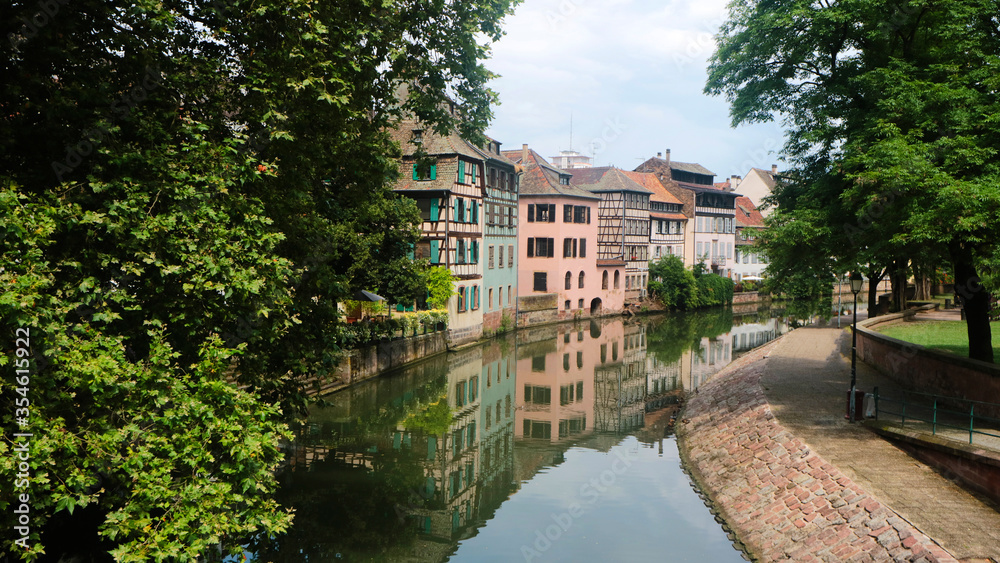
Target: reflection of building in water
point(748, 336)
point(469, 468)
point(663, 377)
point(555, 383)
point(711, 355)
point(620, 382)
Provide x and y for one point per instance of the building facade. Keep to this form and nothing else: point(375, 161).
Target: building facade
point(446, 177)
point(500, 263)
point(558, 245)
point(623, 224)
point(748, 260)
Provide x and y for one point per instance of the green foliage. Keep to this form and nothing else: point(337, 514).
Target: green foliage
point(886, 105)
point(433, 419)
point(679, 288)
point(672, 284)
point(440, 286)
point(670, 336)
point(187, 191)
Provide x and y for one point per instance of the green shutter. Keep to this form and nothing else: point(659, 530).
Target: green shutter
point(434, 252)
point(415, 176)
point(434, 173)
point(410, 253)
point(461, 171)
point(434, 209)
point(458, 201)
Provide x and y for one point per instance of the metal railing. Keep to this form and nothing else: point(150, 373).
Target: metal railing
point(941, 412)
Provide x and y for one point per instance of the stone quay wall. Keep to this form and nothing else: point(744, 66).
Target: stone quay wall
point(783, 501)
point(937, 373)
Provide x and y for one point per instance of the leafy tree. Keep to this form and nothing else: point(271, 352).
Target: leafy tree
point(440, 286)
point(672, 283)
point(187, 189)
point(886, 104)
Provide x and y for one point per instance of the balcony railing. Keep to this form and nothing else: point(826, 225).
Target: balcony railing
point(718, 260)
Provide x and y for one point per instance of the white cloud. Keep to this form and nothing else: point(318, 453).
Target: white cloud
point(632, 74)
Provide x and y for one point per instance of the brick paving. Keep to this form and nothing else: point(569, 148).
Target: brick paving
point(782, 499)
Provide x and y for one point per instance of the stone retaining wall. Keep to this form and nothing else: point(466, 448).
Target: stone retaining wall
point(783, 501)
point(917, 368)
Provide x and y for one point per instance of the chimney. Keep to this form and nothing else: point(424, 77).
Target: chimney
point(524, 154)
point(659, 155)
point(667, 156)
point(733, 180)
point(774, 169)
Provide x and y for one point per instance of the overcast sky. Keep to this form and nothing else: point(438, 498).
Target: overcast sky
point(631, 72)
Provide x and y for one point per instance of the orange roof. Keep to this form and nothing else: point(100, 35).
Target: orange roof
point(649, 181)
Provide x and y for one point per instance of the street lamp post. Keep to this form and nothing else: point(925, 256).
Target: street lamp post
point(856, 282)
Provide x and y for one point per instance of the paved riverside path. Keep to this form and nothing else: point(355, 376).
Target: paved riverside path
point(767, 440)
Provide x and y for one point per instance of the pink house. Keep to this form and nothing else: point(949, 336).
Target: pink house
point(558, 273)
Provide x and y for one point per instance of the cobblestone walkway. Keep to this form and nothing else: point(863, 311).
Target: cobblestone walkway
point(782, 499)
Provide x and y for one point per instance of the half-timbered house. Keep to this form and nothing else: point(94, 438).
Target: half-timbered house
point(623, 223)
point(446, 176)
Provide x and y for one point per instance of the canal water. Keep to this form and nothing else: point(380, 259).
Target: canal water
point(552, 444)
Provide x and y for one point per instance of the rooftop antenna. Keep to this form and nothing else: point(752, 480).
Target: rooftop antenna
point(571, 130)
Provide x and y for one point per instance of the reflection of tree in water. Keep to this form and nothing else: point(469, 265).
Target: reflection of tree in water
point(351, 479)
point(346, 510)
point(669, 336)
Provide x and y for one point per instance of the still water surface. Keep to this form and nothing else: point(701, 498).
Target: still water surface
point(553, 444)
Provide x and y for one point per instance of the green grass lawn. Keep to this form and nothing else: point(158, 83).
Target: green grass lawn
point(946, 336)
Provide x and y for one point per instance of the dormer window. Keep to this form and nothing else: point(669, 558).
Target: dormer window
point(418, 136)
point(564, 180)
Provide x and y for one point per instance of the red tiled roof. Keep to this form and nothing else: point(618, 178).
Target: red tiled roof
point(747, 214)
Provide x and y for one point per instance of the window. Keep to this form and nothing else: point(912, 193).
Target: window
point(460, 255)
point(491, 302)
point(567, 214)
point(566, 305)
point(500, 256)
point(574, 248)
point(583, 248)
point(581, 214)
point(579, 364)
point(537, 394)
point(569, 282)
point(604, 280)
point(510, 258)
point(475, 297)
point(543, 213)
point(566, 362)
point(424, 170)
point(460, 210)
point(541, 247)
point(461, 299)
point(580, 286)
point(541, 282)
point(500, 297)
point(491, 265)
point(567, 247)
point(509, 294)
point(580, 304)
point(538, 363)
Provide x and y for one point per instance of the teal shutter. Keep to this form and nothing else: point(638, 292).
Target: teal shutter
point(434, 252)
point(434, 173)
point(458, 203)
point(410, 253)
point(434, 209)
point(415, 176)
point(461, 171)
